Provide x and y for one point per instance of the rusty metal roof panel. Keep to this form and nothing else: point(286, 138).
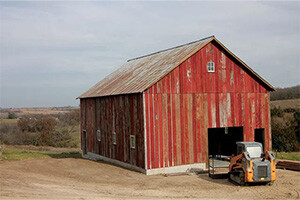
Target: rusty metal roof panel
point(138, 74)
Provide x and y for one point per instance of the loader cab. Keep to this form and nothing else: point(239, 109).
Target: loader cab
point(254, 149)
point(251, 165)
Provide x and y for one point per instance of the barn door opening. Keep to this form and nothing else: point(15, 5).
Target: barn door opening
point(222, 141)
point(84, 143)
point(259, 136)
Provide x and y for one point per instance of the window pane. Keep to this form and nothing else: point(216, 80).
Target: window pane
point(254, 152)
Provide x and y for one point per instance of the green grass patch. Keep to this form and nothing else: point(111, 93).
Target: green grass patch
point(9, 121)
point(19, 154)
point(288, 156)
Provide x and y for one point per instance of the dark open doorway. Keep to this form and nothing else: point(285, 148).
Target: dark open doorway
point(259, 135)
point(222, 141)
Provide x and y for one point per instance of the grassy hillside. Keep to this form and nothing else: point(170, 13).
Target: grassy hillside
point(13, 154)
point(9, 121)
point(288, 156)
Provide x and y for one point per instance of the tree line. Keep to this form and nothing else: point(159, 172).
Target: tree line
point(286, 93)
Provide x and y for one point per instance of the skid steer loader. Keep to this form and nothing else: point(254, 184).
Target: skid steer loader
point(251, 165)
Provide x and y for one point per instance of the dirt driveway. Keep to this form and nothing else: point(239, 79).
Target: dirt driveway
point(71, 178)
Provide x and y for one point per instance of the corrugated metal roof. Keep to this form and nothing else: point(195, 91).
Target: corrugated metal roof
point(138, 74)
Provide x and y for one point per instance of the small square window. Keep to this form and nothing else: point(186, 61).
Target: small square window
point(211, 67)
point(132, 141)
point(114, 138)
point(99, 135)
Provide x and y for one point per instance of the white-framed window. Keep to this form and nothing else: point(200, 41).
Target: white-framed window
point(99, 135)
point(114, 138)
point(132, 141)
point(211, 67)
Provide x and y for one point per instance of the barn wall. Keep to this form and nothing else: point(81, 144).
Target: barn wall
point(122, 114)
point(184, 104)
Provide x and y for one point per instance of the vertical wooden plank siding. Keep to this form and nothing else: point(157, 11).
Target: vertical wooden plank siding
point(82, 119)
point(147, 117)
point(90, 124)
point(185, 103)
point(122, 114)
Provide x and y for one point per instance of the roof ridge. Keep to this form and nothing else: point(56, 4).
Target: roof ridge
point(170, 48)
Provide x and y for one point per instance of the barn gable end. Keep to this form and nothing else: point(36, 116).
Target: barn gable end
point(192, 76)
point(186, 102)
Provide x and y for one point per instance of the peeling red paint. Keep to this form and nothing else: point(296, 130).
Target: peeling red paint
point(229, 97)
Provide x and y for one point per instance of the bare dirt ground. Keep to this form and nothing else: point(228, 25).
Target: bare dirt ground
point(71, 178)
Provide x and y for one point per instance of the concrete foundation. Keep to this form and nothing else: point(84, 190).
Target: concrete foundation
point(165, 170)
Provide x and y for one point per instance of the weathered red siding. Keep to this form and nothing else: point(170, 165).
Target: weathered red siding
point(122, 114)
point(184, 104)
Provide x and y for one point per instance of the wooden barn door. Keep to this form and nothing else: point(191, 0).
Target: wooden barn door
point(84, 148)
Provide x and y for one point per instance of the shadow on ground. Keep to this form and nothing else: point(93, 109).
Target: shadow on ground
point(65, 155)
point(221, 181)
point(226, 181)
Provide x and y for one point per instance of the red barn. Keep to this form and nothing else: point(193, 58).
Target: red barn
point(168, 111)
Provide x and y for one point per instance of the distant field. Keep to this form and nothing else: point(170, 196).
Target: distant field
point(289, 103)
point(21, 112)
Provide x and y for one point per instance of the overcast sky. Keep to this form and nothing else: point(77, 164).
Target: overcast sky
point(51, 52)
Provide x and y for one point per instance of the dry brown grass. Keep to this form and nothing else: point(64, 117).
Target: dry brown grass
point(42, 111)
point(289, 103)
point(38, 111)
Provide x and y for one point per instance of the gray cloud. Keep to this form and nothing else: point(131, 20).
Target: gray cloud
point(51, 52)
